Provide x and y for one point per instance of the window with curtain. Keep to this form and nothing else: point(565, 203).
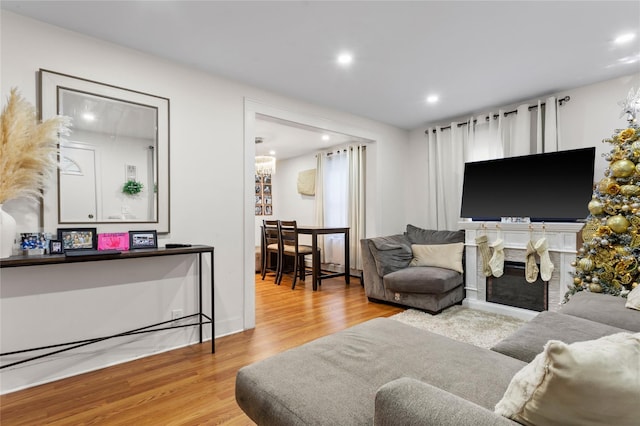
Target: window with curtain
point(340, 180)
point(336, 195)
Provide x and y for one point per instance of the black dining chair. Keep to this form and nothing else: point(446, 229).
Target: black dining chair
point(270, 248)
point(290, 246)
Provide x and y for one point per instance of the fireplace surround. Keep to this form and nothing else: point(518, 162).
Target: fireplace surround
point(563, 240)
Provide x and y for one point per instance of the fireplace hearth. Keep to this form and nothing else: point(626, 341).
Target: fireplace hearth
point(512, 289)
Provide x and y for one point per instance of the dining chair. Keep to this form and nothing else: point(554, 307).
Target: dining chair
point(290, 246)
point(270, 246)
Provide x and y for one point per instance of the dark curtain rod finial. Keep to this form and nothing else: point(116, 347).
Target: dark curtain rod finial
point(560, 102)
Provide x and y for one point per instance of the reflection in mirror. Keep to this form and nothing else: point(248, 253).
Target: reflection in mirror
point(112, 142)
point(114, 166)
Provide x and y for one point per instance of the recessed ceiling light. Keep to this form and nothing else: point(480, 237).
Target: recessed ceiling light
point(624, 38)
point(325, 137)
point(272, 152)
point(432, 99)
point(88, 116)
point(345, 58)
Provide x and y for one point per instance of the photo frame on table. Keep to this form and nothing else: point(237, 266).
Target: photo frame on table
point(78, 238)
point(113, 241)
point(55, 247)
point(143, 239)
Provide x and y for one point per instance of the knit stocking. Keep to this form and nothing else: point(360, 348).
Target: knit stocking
point(531, 267)
point(485, 252)
point(546, 267)
point(497, 260)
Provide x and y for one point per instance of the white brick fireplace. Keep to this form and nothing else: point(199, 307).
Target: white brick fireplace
point(563, 239)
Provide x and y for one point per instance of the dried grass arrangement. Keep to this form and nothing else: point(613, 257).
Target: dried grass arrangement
point(28, 149)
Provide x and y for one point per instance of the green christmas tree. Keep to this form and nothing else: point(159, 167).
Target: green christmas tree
point(608, 260)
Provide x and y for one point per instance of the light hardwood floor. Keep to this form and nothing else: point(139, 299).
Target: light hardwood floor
point(190, 386)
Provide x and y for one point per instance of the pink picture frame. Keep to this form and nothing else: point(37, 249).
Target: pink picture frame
point(113, 241)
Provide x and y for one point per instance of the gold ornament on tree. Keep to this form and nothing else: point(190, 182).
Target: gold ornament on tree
point(618, 223)
point(595, 207)
point(622, 168)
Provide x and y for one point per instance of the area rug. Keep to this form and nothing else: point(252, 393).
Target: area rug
point(478, 328)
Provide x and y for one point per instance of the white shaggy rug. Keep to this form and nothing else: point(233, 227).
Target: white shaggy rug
point(478, 328)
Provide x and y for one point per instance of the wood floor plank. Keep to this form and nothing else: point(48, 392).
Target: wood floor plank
point(190, 386)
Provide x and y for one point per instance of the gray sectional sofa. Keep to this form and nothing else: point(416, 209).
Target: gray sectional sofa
point(384, 372)
point(388, 276)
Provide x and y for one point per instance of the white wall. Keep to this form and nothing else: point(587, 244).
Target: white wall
point(590, 116)
point(211, 200)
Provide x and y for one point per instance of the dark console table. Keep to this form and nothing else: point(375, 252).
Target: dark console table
point(200, 316)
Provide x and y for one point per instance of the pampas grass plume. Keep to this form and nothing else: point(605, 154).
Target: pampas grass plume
point(28, 149)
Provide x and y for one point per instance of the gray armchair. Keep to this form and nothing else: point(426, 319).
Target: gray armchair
point(388, 276)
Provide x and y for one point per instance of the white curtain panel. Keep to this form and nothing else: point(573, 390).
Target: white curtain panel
point(356, 159)
point(485, 141)
point(319, 198)
point(344, 202)
point(446, 162)
point(551, 125)
point(336, 203)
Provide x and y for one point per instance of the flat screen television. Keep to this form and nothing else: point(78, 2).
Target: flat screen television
point(553, 187)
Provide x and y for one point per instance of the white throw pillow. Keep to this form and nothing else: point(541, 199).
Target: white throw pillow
point(596, 382)
point(448, 256)
point(633, 299)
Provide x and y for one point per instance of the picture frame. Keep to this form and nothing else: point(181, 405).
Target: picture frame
point(113, 241)
point(55, 247)
point(78, 238)
point(143, 239)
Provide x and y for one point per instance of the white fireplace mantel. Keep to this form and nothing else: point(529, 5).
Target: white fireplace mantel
point(563, 240)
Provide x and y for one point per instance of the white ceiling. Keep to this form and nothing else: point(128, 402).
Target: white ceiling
point(473, 54)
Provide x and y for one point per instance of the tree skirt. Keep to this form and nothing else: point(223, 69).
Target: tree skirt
point(473, 326)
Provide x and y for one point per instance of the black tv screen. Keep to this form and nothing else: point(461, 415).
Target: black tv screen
point(555, 186)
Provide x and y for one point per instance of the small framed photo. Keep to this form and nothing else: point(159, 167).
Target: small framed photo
point(55, 247)
point(78, 238)
point(258, 210)
point(113, 241)
point(143, 239)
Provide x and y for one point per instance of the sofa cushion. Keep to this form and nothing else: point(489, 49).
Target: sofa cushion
point(333, 380)
point(429, 236)
point(529, 340)
point(422, 279)
point(448, 256)
point(596, 382)
point(602, 308)
point(390, 253)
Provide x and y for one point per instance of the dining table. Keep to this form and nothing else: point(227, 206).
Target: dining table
point(314, 231)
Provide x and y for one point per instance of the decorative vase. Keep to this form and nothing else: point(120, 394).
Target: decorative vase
point(7, 233)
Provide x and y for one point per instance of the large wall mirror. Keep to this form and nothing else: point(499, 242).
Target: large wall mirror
point(114, 165)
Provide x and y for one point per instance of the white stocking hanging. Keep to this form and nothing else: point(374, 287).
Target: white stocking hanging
point(546, 267)
point(531, 267)
point(497, 260)
point(485, 252)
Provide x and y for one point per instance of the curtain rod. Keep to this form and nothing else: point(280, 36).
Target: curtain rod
point(560, 101)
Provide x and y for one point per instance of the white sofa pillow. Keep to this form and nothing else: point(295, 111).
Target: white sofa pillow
point(590, 383)
point(448, 256)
